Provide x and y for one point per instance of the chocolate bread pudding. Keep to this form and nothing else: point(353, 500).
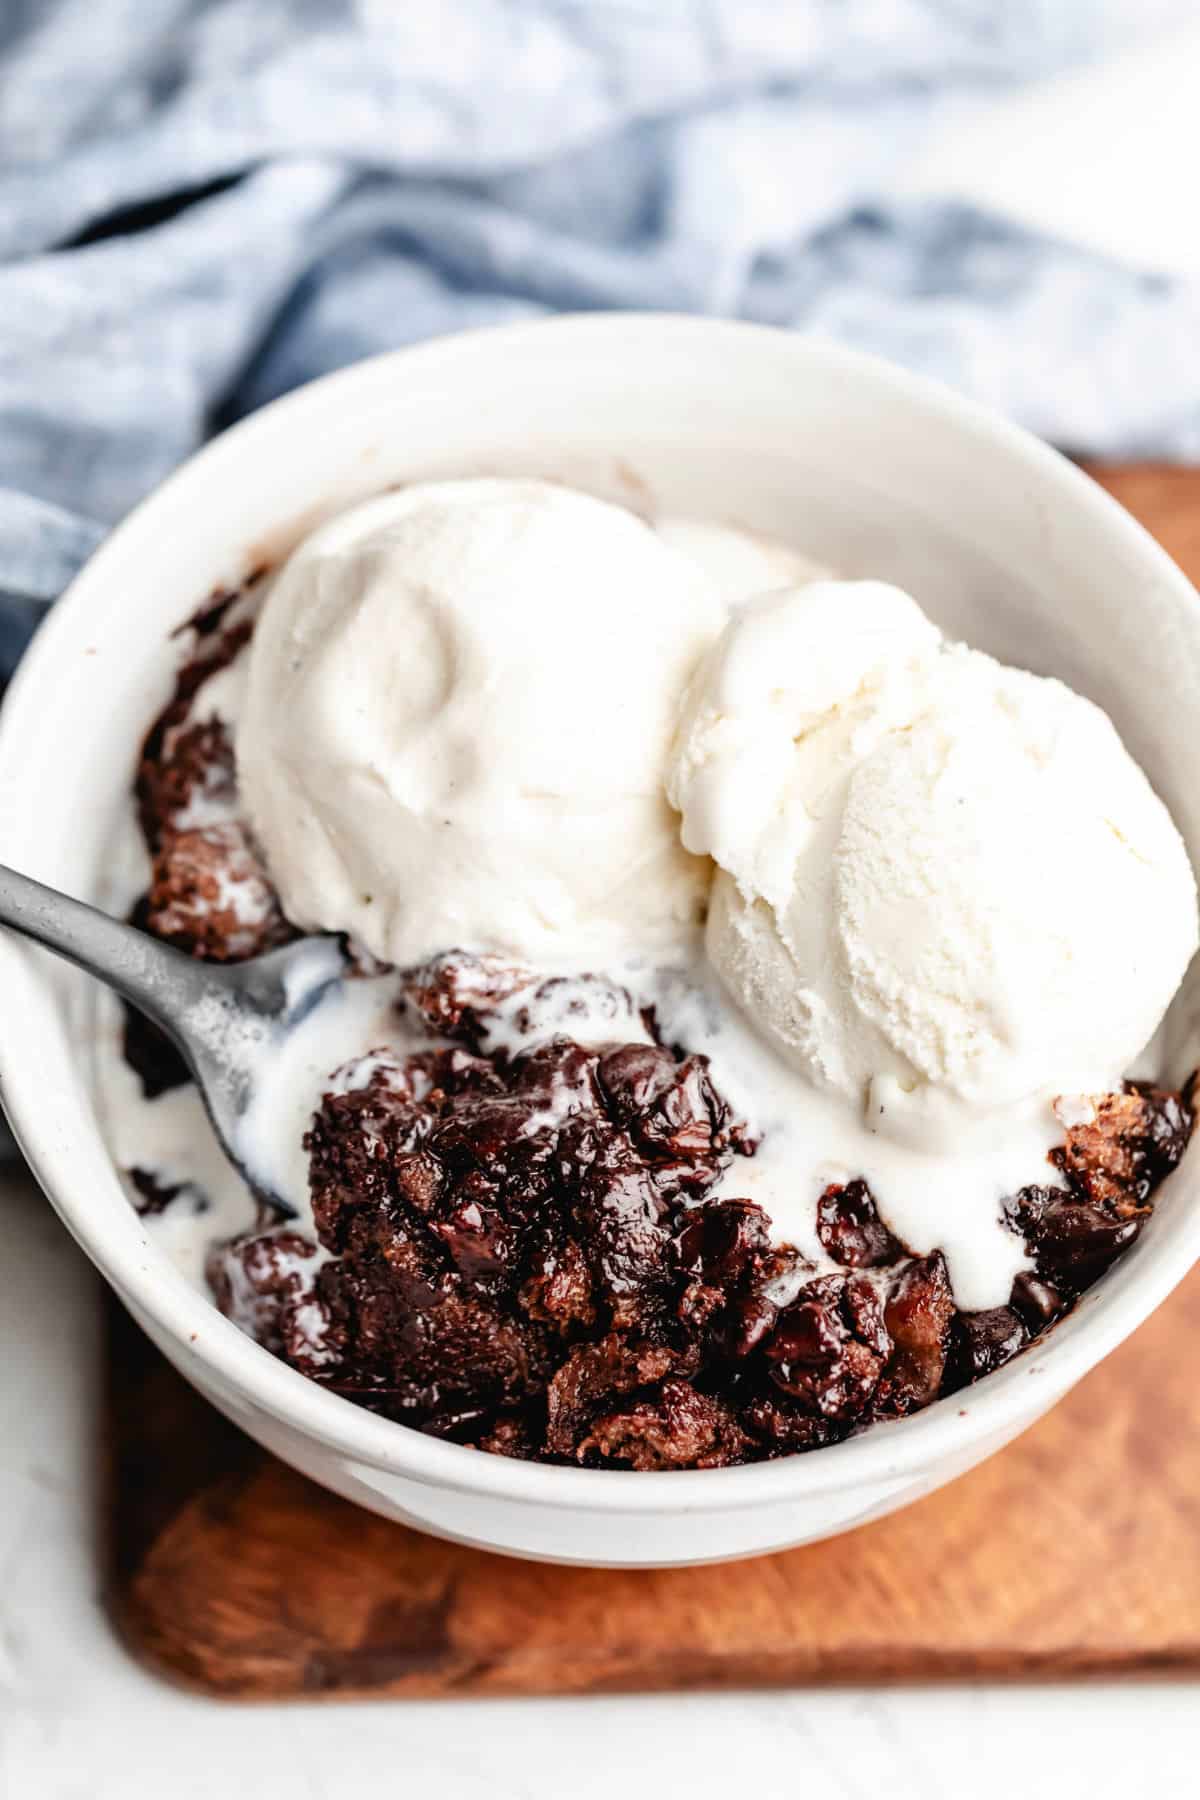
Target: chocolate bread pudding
point(596, 1207)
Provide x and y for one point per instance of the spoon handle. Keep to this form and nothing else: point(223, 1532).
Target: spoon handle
point(150, 974)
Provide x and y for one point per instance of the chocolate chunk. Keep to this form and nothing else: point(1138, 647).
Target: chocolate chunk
point(724, 1248)
point(1035, 1301)
point(984, 1341)
point(917, 1314)
point(670, 1109)
point(851, 1231)
point(723, 1241)
point(828, 1349)
point(1076, 1240)
point(621, 1222)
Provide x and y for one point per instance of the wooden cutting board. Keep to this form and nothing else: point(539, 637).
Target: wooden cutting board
point(1076, 1551)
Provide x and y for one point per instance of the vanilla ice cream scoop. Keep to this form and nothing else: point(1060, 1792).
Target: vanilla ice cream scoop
point(460, 704)
point(944, 886)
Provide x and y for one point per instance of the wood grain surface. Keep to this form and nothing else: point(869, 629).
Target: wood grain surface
point(1075, 1551)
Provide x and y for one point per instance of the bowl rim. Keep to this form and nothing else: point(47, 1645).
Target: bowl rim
point(946, 1431)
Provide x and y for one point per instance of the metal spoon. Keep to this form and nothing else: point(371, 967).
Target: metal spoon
point(228, 1020)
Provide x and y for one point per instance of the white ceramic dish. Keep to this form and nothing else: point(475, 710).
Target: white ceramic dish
point(862, 466)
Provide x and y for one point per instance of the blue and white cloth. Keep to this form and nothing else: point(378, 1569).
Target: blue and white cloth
point(204, 202)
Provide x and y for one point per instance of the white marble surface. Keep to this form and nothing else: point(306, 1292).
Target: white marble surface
point(77, 1718)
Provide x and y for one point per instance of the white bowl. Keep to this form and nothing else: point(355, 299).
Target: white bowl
point(867, 468)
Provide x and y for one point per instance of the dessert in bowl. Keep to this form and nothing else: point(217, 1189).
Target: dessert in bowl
point(704, 1232)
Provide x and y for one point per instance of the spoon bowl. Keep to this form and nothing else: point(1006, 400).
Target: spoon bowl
point(229, 1021)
